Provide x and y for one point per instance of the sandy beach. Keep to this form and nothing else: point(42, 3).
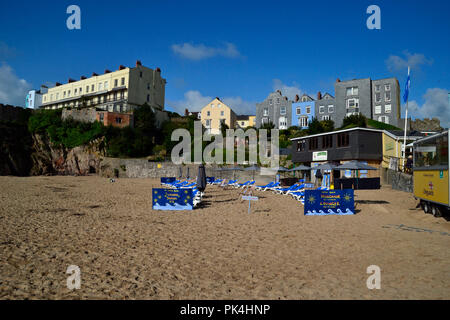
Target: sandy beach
point(125, 250)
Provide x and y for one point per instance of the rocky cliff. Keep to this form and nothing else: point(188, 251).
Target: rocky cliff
point(23, 154)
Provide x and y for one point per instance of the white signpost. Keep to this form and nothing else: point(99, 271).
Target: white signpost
point(250, 199)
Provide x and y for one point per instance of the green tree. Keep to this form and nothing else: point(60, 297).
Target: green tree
point(355, 120)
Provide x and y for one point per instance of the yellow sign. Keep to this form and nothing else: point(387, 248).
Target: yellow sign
point(159, 166)
point(431, 185)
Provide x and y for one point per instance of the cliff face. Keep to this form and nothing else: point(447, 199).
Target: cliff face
point(15, 150)
point(50, 160)
point(24, 154)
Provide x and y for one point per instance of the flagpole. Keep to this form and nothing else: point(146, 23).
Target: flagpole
point(406, 124)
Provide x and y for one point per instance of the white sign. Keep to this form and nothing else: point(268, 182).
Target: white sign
point(320, 156)
point(250, 198)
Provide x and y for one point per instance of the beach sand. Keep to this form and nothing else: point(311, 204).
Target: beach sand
point(125, 250)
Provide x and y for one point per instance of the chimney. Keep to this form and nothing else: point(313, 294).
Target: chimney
point(58, 84)
point(121, 67)
point(70, 80)
point(138, 63)
point(338, 80)
point(94, 74)
point(83, 78)
point(218, 98)
point(107, 71)
point(186, 112)
point(319, 95)
point(158, 70)
point(297, 98)
point(279, 91)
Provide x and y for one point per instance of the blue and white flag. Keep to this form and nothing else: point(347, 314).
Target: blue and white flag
point(408, 83)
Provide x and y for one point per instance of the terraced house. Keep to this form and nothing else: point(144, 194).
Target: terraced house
point(276, 109)
point(119, 91)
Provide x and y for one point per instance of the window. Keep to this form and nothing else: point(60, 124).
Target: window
point(148, 98)
point(352, 91)
point(322, 109)
point(57, 96)
point(432, 152)
point(343, 139)
point(51, 97)
point(100, 86)
point(278, 100)
point(327, 117)
point(68, 93)
point(116, 83)
point(208, 113)
point(64, 94)
point(299, 111)
point(75, 93)
point(387, 108)
point(87, 89)
point(301, 145)
point(208, 122)
point(212, 105)
point(118, 120)
point(387, 87)
point(242, 123)
point(384, 119)
point(377, 88)
point(387, 96)
point(283, 110)
point(308, 110)
point(218, 105)
point(266, 112)
point(140, 74)
point(327, 141)
point(122, 95)
point(123, 81)
point(221, 113)
point(303, 122)
point(352, 103)
point(270, 101)
point(148, 86)
point(377, 109)
point(106, 85)
point(101, 117)
point(81, 90)
point(330, 109)
point(115, 96)
point(377, 97)
point(93, 87)
point(313, 143)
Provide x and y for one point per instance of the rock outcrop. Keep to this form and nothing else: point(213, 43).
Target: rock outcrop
point(54, 160)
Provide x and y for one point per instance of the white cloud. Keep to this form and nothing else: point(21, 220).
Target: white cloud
point(195, 101)
point(436, 105)
point(13, 90)
point(200, 51)
point(288, 91)
point(414, 61)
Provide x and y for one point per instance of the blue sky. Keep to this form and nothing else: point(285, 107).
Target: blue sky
point(239, 51)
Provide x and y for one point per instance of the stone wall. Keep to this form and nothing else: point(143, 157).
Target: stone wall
point(142, 168)
point(398, 180)
point(82, 115)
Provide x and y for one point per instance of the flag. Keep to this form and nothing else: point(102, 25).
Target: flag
point(408, 83)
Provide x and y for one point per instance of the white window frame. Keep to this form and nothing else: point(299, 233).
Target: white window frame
point(308, 109)
point(298, 111)
point(332, 108)
point(266, 112)
point(208, 123)
point(388, 109)
point(355, 101)
point(387, 87)
point(354, 91)
point(385, 96)
point(303, 122)
point(321, 109)
point(281, 110)
point(379, 88)
point(326, 117)
point(377, 109)
point(377, 93)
